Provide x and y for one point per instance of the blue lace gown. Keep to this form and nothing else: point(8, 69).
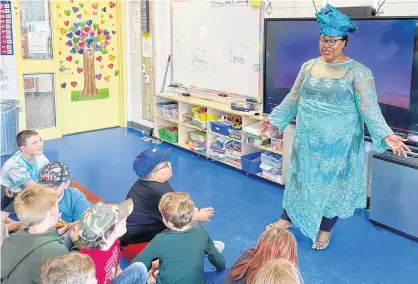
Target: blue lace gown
point(326, 177)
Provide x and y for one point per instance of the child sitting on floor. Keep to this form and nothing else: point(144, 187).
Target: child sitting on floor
point(272, 244)
point(68, 268)
point(22, 169)
point(23, 253)
point(100, 228)
point(182, 249)
point(279, 271)
point(72, 202)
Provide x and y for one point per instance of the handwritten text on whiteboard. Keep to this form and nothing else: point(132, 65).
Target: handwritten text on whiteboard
point(220, 3)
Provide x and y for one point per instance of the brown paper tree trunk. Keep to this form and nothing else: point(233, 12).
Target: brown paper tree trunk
point(89, 74)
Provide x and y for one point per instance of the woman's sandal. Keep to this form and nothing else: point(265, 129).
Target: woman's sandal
point(288, 227)
point(320, 245)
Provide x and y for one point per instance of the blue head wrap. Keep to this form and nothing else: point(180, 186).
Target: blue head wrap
point(333, 23)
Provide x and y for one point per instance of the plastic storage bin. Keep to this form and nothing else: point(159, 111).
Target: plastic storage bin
point(198, 123)
point(251, 163)
point(235, 133)
point(169, 134)
point(198, 136)
point(175, 114)
point(9, 126)
point(187, 117)
point(221, 127)
point(200, 113)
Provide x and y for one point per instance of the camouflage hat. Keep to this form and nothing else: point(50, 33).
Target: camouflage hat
point(101, 216)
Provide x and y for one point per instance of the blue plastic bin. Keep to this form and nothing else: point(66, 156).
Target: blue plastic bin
point(251, 163)
point(9, 126)
point(220, 127)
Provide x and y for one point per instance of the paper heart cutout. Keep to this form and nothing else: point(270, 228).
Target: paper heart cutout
point(86, 13)
point(95, 26)
point(69, 58)
point(81, 44)
point(113, 32)
point(76, 61)
point(107, 78)
point(94, 13)
point(79, 70)
point(76, 25)
point(110, 16)
point(75, 40)
point(110, 65)
point(58, 6)
point(104, 9)
point(66, 23)
point(70, 35)
point(100, 38)
point(99, 31)
point(82, 24)
point(79, 16)
point(63, 31)
point(98, 47)
point(63, 85)
point(72, 29)
point(112, 5)
point(111, 57)
point(80, 51)
point(73, 50)
point(74, 83)
point(81, 5)
point(106, 32)
point(102, 22)
point(99, 58)
point(105, 51)
point(102, 66)
point(89, 22)
point(69, 43)
point(67, 12)
point(95, 5)
point(116, 72)
point(86, 29)
point(75, 9)
point(77, 32)
point(60, 53)
point(108, 37)
point(98, 76)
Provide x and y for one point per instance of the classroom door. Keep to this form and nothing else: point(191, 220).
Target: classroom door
point(90, 51)
point(68, 65)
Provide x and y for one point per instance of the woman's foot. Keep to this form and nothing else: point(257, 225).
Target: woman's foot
point(322, 241)
point(281, 224)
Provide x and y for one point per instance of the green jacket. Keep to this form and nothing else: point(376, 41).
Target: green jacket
point(22, 255)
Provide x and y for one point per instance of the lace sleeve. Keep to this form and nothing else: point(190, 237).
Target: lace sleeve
point(368, 107)
point(284, 113)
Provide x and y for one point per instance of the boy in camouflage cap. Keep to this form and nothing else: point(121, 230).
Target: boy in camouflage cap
point(100, 227)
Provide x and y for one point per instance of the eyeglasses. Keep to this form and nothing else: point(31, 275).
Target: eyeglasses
point(165, 165)
point(331, 42)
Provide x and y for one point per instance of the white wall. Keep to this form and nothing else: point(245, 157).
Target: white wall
point(280, 9)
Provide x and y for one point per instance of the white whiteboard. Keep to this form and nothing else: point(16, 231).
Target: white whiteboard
point(217, 49)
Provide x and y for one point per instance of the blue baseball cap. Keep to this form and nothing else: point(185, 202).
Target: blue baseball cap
point(146, 162)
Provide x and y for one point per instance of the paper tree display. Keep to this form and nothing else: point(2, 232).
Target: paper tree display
point(88, 39)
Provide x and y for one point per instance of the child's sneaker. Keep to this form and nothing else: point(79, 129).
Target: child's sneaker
point(219, 246)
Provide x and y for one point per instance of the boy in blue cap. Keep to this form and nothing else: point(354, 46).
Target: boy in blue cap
point(153, 168)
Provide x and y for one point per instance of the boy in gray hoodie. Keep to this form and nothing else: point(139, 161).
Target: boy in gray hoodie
point(23, 253)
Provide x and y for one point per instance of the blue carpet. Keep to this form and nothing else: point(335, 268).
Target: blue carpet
point(359, 253)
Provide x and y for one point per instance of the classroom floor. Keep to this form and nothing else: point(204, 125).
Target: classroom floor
point(359, 252)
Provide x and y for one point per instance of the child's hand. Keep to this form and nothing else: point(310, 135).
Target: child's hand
point(63, 230)
point(74, 233)
point(204, 214)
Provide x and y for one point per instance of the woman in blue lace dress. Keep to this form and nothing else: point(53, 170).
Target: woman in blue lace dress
point(333, 96)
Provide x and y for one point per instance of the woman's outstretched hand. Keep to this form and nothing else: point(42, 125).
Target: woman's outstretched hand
point(397, 145)
point(265, 125)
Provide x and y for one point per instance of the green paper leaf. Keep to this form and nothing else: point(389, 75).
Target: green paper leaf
point(72, 29)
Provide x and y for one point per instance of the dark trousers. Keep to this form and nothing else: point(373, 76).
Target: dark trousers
point(145, 235)
point(326, 224)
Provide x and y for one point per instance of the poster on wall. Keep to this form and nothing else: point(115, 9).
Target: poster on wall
point(87, 48)
point(8, 84)
point(6, 28)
